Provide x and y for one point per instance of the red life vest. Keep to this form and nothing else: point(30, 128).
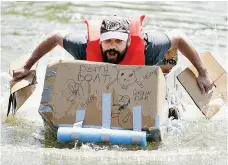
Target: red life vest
point(135, 52)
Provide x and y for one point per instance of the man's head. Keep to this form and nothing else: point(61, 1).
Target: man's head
point(115, 38)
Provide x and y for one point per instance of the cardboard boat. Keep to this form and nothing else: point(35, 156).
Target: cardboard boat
point(72, 102)
point(71, 86)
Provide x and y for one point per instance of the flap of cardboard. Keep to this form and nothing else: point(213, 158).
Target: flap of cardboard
point(24, 82)
point(218, 75)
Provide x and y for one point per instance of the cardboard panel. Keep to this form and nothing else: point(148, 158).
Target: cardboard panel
point(23, 94)
point(24, 87)
point(79, 85)
point(24, 82)
point(218, 75)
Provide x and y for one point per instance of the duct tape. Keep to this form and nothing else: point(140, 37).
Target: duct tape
point(75, 136)
point(80, 115)
point(137, 118)
point(64, 125)
point(157, 120)
point(50, 73)
point(45, 108)
point(78, 124)
point(106, 110)
point(47, 94)
point(136, 139)
point(105, 136)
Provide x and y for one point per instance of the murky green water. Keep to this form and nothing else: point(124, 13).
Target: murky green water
point(194, 141)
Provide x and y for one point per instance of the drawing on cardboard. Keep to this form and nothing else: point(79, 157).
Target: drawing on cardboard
point(126, 78)
point(120, 110)
point(72, 91)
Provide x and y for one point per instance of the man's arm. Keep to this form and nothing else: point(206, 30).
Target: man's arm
point(44, 47)
point(54, 39)
point(184, 45)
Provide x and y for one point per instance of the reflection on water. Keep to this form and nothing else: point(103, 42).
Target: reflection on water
point(192, 141)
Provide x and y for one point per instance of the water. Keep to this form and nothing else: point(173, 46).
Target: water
point(193, 140)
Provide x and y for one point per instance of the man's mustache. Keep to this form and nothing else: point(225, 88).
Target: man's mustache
point(112, 51)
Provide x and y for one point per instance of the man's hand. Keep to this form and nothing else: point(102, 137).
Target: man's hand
point(185, 46)
point(205, 83)
point(20, 73)
point(54, 39)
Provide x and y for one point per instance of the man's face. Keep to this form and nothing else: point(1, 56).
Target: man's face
point(113, 50)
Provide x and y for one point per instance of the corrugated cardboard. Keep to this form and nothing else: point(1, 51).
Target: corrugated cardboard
point(79, 85)
point(24, 87)
point(218, 75)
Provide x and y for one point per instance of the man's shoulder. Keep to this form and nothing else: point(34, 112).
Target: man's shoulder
point(76, 45)
point(156, 45)
point(76, 38)
point(152, 36)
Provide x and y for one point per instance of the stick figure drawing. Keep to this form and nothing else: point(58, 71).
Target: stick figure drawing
point(72, 91)
point(121, 111)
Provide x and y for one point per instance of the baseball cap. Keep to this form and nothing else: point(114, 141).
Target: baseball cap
point(115, 27)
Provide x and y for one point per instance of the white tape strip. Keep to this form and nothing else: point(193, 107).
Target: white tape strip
point(136, 139)
point(80, 115)
point(75, 136)
point(157, 121)
point(105, 135)
point(78, 124)
point(106, 110)
point(137, 118)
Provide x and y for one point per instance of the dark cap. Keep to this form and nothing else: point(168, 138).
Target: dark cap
point(115, 27)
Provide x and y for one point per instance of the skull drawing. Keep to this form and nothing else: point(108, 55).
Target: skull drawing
point(126, 77)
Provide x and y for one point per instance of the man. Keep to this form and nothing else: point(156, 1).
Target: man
point(121, 42)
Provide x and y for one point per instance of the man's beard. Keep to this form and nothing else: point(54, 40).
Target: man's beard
point(117, 60)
